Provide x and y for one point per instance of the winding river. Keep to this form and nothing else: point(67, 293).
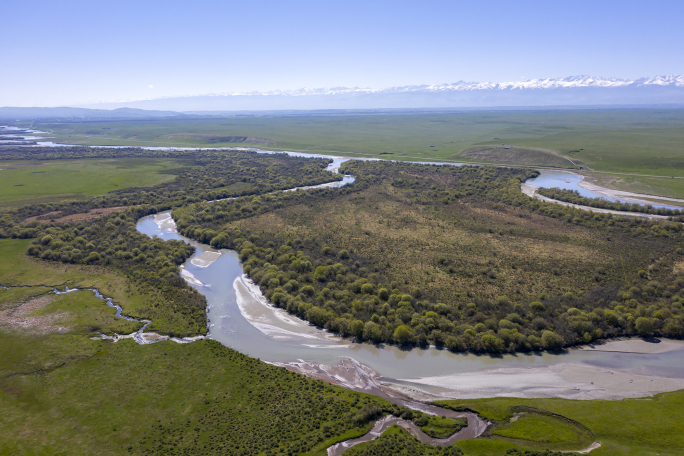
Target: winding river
point(241, 318)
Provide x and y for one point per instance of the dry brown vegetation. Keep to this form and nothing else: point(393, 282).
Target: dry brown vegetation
point(453, 256)
point(58, 217)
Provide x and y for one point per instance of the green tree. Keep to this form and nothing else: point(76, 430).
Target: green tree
point(402, 334)
point(356, 328)
point(644, 326)
point(383, 294)
point(551, 340)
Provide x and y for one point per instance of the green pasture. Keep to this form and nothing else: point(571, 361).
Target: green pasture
point(19, 270)
point(625, 142)
point(644, 426)
point(30, 182)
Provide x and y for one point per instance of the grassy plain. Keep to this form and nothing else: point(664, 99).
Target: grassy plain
point(627, 141)
point(18, 269)
point(62, 393)
point(646, 426)
point(47, 181)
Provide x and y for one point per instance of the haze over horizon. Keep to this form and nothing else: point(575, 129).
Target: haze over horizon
point(97, 53)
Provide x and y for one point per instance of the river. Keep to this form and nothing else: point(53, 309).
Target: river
point(241, 318)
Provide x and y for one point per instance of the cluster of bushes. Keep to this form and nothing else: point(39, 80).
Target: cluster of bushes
point(608, 223)
point(573, 196)
point(325, 280)
point(150, 263)
point(338, 289)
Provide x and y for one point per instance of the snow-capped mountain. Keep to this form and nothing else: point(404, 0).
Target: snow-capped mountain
point(569, 91)
point(569, 82)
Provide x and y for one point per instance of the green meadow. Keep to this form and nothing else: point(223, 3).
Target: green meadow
point(63, 392)
point(644, 426)
point(47, 181)
point(630, 145)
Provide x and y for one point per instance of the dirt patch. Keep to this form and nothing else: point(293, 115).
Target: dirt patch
point(212, 139)
point(678, 268)
point(20, 317)
point(58, 217)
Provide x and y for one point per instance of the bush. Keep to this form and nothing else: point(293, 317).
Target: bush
point(551, 340)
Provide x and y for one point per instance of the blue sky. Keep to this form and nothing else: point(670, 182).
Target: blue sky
point(71, 52)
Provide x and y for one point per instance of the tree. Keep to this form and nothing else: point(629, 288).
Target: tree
point(402, 334)
point(372, 331)
point(644, 326)
point(383, 294)
point(490, 343)
point(356, 328)
point(551, 340)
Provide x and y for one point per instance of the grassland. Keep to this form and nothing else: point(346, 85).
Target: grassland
point(19, 270)
point(646, 426)
point(63, 393)
point(622, 142)
point(440, 236)
point(32, 182)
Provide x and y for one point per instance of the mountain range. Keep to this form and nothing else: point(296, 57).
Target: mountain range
point(574, 91)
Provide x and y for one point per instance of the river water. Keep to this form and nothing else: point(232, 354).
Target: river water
point(242, 319)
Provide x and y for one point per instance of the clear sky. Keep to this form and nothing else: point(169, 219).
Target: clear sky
point(74, 52)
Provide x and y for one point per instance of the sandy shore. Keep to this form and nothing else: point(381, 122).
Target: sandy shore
point(637, 346)
point(639, 198)
point(531, 191)
point(277, 323)
point(567, 380)
point(165, 222)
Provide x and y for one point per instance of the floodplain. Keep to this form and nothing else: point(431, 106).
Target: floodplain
point(436, 240)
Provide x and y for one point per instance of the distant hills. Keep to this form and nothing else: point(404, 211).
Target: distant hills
point(67, 113)
point(571, 91)
point(575, 91)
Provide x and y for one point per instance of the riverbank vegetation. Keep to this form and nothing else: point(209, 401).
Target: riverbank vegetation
point(101, 230)
point(55, 379)
point(456, 257)
point(573, 196)
point(397, 441)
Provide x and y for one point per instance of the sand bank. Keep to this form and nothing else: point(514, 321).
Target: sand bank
point(274, 322)
point(638, 198)
point(638, 346)
point(531, 191)
point(206, 258)
point(567, 380)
